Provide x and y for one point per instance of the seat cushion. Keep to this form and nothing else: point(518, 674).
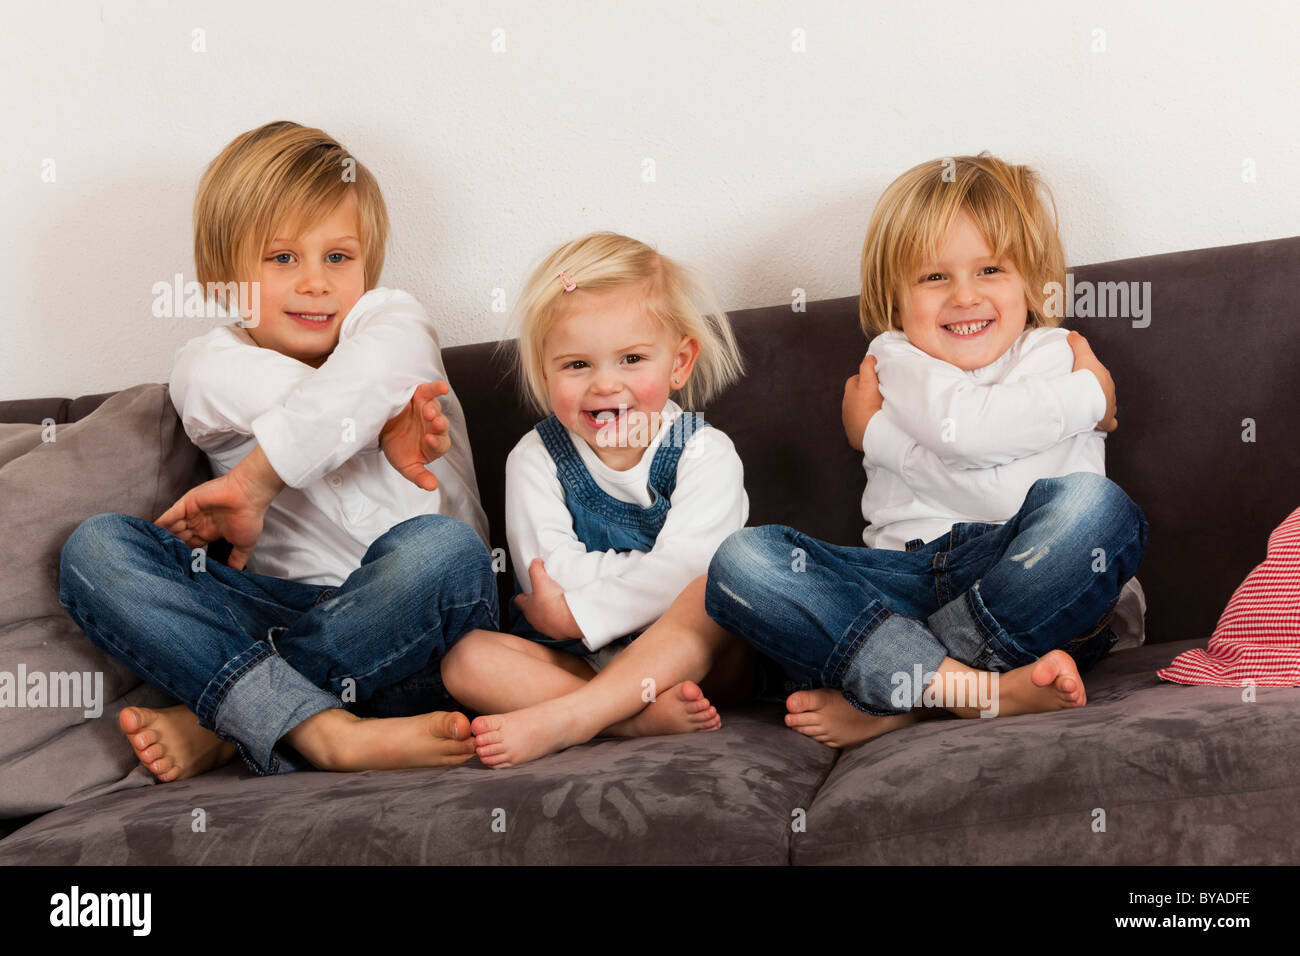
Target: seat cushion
point(1175, 774)
point(722, 797)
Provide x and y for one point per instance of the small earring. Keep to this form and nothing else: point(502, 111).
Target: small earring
point(676, 381)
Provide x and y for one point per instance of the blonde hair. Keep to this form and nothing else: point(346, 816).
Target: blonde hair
point(1010, 206)
point(268, 176)
point(675, 296)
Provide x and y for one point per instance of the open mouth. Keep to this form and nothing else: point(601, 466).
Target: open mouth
point(967, 329)
point(311, 319)
point(603, 417)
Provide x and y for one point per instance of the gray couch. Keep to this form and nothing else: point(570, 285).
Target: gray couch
point(1148, 773)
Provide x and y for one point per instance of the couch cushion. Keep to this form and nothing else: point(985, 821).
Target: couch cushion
point(725, 796)
point(1186, 390)
point(1184, 775)
point(132, 456)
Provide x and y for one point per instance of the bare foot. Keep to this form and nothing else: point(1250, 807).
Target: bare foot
point(826, 717)
point(1050, 683)
point(170, 742)
point(504, 740)
point(682, 709)
point(337, 740)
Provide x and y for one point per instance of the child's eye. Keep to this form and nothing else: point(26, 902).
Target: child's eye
point(991, 269)
point(633, 359)
point(341, 257)
point(576, 363)
point(932, 275)
point(280, 257)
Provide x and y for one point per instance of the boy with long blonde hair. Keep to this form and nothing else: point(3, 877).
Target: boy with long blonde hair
point(996, 548)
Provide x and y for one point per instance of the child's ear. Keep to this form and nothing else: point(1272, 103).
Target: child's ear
point(688, 350)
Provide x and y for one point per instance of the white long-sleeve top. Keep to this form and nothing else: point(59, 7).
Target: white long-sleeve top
point(951, 445)
point(611, 594)
point(320, 431)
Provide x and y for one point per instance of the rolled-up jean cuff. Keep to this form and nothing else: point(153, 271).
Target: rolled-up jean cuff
point(971, 634)
point(883, 651)
point(266, 701)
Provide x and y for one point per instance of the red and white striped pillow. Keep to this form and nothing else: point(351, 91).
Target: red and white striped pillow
point(1258, 637)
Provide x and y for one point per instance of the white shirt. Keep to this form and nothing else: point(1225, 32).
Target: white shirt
point(611, 594)
point(320, 430)
point(951, 445)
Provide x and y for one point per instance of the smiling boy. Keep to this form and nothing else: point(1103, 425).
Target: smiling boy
point(357, 538)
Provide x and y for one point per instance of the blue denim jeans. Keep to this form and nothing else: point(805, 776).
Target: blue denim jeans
point(254, 656)
point(993, 596)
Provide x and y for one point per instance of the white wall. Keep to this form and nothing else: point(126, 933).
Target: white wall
point(767, 161)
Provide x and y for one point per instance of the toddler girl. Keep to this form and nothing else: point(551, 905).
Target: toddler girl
point(619, 497)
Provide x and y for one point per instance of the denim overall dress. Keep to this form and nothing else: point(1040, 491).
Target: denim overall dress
point(603, 522)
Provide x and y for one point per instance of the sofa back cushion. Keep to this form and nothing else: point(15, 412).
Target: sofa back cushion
point(1207, 390)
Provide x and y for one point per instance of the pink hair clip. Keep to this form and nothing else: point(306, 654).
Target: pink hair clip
point(567, 282)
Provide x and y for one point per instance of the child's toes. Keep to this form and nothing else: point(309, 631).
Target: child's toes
point(453, 725)
point(690, 691)
point(807, 724)
point(129, 720)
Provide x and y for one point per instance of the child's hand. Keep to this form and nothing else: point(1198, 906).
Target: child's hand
point(546, 608)
point(862, 399)
point(1084, 359)
point(417, 435)
point(231, 507)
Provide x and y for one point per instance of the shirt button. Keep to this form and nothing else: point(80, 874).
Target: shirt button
point(335, 481)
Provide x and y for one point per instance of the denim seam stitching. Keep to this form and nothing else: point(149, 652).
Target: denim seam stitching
point(1008, 655)
point(219, 691)
point(861, 633)
point(580, 487)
